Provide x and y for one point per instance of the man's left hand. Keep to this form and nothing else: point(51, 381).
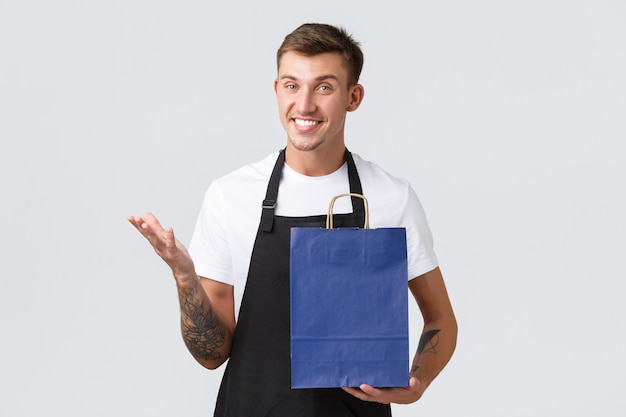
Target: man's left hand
point(400, 395)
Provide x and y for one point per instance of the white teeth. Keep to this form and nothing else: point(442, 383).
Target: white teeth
point(305, 123)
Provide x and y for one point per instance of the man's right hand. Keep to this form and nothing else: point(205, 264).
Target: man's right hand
point(206, 306)
point(167, 247)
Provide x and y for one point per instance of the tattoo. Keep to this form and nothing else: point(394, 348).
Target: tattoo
point(202, 332)
point(428, 342)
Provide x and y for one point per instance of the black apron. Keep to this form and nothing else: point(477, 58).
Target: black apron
point(257, 379)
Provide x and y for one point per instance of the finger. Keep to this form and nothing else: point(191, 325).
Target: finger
point(152, 221)
point(370, 394)
point(370, 390)
point(133, 220)
point(170, 240)
point(146, 229)
point(158, 231)
point(137, 222)
point(356, 393)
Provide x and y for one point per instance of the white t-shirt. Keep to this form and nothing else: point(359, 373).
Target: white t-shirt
point(223, 239)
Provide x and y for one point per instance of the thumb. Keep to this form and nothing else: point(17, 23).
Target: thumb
point(170, 240)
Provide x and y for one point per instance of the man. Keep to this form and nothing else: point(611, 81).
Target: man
point(234, 294)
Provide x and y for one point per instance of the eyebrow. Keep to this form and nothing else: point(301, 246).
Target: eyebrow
point(320, 78)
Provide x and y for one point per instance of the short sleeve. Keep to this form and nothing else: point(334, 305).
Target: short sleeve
point(209, 246)
point(420, 249)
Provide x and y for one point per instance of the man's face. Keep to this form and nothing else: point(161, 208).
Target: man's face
point(313, 98)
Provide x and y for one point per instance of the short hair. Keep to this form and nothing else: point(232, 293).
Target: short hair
point(317, 38)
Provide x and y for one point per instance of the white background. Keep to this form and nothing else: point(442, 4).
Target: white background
point(507, 117)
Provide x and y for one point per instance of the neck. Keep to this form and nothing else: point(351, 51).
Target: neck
point(315, 163)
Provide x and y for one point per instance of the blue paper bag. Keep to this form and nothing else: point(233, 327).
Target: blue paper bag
point(349, 306)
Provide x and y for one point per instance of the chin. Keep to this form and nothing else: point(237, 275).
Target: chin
point(305, 146)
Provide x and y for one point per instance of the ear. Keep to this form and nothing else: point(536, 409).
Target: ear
point(355, 97)
point(276, 85)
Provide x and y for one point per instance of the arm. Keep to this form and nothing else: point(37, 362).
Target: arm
point(435, 348)
point(438, 339)
point(206, 306)
point(207, 320)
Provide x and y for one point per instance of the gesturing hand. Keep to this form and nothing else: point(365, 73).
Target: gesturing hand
point(399, 395)
point(165, 245)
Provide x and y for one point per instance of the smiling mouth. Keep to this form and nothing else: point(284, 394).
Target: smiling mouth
point(305, 123)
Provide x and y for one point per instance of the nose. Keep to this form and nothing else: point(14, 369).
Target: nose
point(305, 102)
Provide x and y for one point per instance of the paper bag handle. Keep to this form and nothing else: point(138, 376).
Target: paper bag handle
point(329, 218)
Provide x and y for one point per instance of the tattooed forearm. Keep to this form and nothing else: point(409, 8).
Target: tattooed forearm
point(202, 332)
point(428, 344)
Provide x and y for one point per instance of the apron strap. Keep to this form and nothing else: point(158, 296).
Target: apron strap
point(271, 195)
point(358, 205)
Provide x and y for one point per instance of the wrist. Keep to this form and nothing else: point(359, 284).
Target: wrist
point(186, 279)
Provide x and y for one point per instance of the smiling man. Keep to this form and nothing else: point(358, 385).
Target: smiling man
point(233, 284)
point(314, 93)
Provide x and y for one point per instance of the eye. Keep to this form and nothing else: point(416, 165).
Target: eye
point(324, 88)
point(290, 86)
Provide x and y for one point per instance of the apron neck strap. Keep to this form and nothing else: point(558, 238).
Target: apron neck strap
point(271, 195)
